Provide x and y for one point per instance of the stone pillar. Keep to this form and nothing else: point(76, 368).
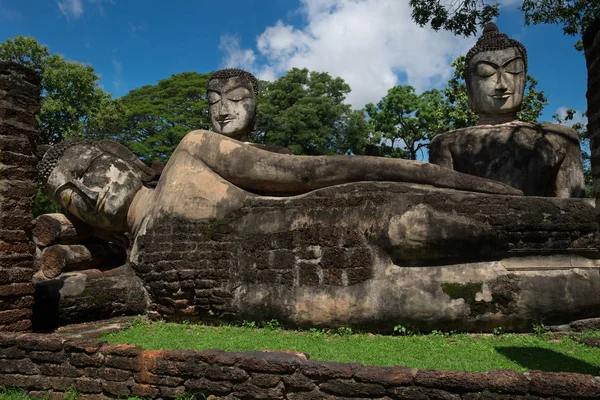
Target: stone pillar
point(19, 104)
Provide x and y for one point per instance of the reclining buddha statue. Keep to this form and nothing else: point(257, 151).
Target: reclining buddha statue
point(236, 230)
point(210, 174)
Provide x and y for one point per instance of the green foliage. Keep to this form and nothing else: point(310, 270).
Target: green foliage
point(71, 394)
point(575, 15)
point(456, 110)
point(159, 116)
point(402, 123)
point(305, 112)
point(460, 17)
point(498, 331)
point(463, 17)
point(534, 101)
point(43, 205)
point(248, 324)
point(272, 325)
point(13, 394)
point(401, 330)
point(72, 102)
point(539, 328)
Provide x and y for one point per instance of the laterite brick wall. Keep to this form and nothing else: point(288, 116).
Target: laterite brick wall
point(48, 365)
point(591, 41)
point(19, 104)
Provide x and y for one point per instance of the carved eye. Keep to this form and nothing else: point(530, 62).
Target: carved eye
point(239, 94)
point(485, 70)
point(213, 98)
point(515, 66)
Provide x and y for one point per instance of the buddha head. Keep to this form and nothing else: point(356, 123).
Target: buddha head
point(94, 180)
point(495, 75)
point(232, 95)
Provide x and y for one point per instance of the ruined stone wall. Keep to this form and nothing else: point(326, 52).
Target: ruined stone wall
point(19, 103)
point(41, 363)
point(591, 41)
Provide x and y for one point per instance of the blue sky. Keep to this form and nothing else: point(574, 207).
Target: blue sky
point(372, 44)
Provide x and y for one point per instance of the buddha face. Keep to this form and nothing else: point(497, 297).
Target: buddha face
point(95, 186)
point(232, 106)
point(496, 81)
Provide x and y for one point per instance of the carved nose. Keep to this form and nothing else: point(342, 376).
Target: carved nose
point(224, 109)
point(501, 84)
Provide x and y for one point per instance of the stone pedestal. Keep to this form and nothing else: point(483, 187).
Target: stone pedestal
point(375, 255)
point(19, 104)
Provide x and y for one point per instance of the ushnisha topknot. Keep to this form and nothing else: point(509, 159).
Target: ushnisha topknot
point(54, 153)
point(232, 72)
point(491, 40)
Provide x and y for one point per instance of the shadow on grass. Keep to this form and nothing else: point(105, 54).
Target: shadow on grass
point(546, 360)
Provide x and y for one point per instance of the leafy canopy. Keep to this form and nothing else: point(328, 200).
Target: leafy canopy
point(403, 122)
point(158, 116)
point(463, 17)
point(305, 111)
point(73, 104)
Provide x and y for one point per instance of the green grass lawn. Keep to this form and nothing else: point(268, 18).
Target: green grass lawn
point(466, 352)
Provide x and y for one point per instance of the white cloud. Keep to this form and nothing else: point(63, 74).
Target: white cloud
point(10, 14)
point(577, 118)
point(135, 28)
point(99, 4)
point(72, 9)
point(118, 68)
point(372, 44)
point(234, 55)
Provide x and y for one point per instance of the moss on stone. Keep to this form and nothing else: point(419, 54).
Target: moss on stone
point(465, 291)
point(468, 291)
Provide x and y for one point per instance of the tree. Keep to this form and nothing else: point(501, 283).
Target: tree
point(463, 17)
point(72, 104)
point(403, 123)
point(158, 116)
point(305, 111)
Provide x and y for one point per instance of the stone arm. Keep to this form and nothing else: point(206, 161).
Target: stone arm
point(569, 181)
point(264, 172)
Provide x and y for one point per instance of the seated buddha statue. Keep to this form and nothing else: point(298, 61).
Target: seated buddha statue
point(539, 159)
point(211, 173)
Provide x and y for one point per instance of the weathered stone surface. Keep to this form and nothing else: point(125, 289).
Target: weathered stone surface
point(539, 159)
point(563, 384)
point(59, 229)
point(451, 380)
point(389, 376)
point(19, 103)
point(367, 254)
point(352, 389)
point(83, 296)
point(59, 258)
